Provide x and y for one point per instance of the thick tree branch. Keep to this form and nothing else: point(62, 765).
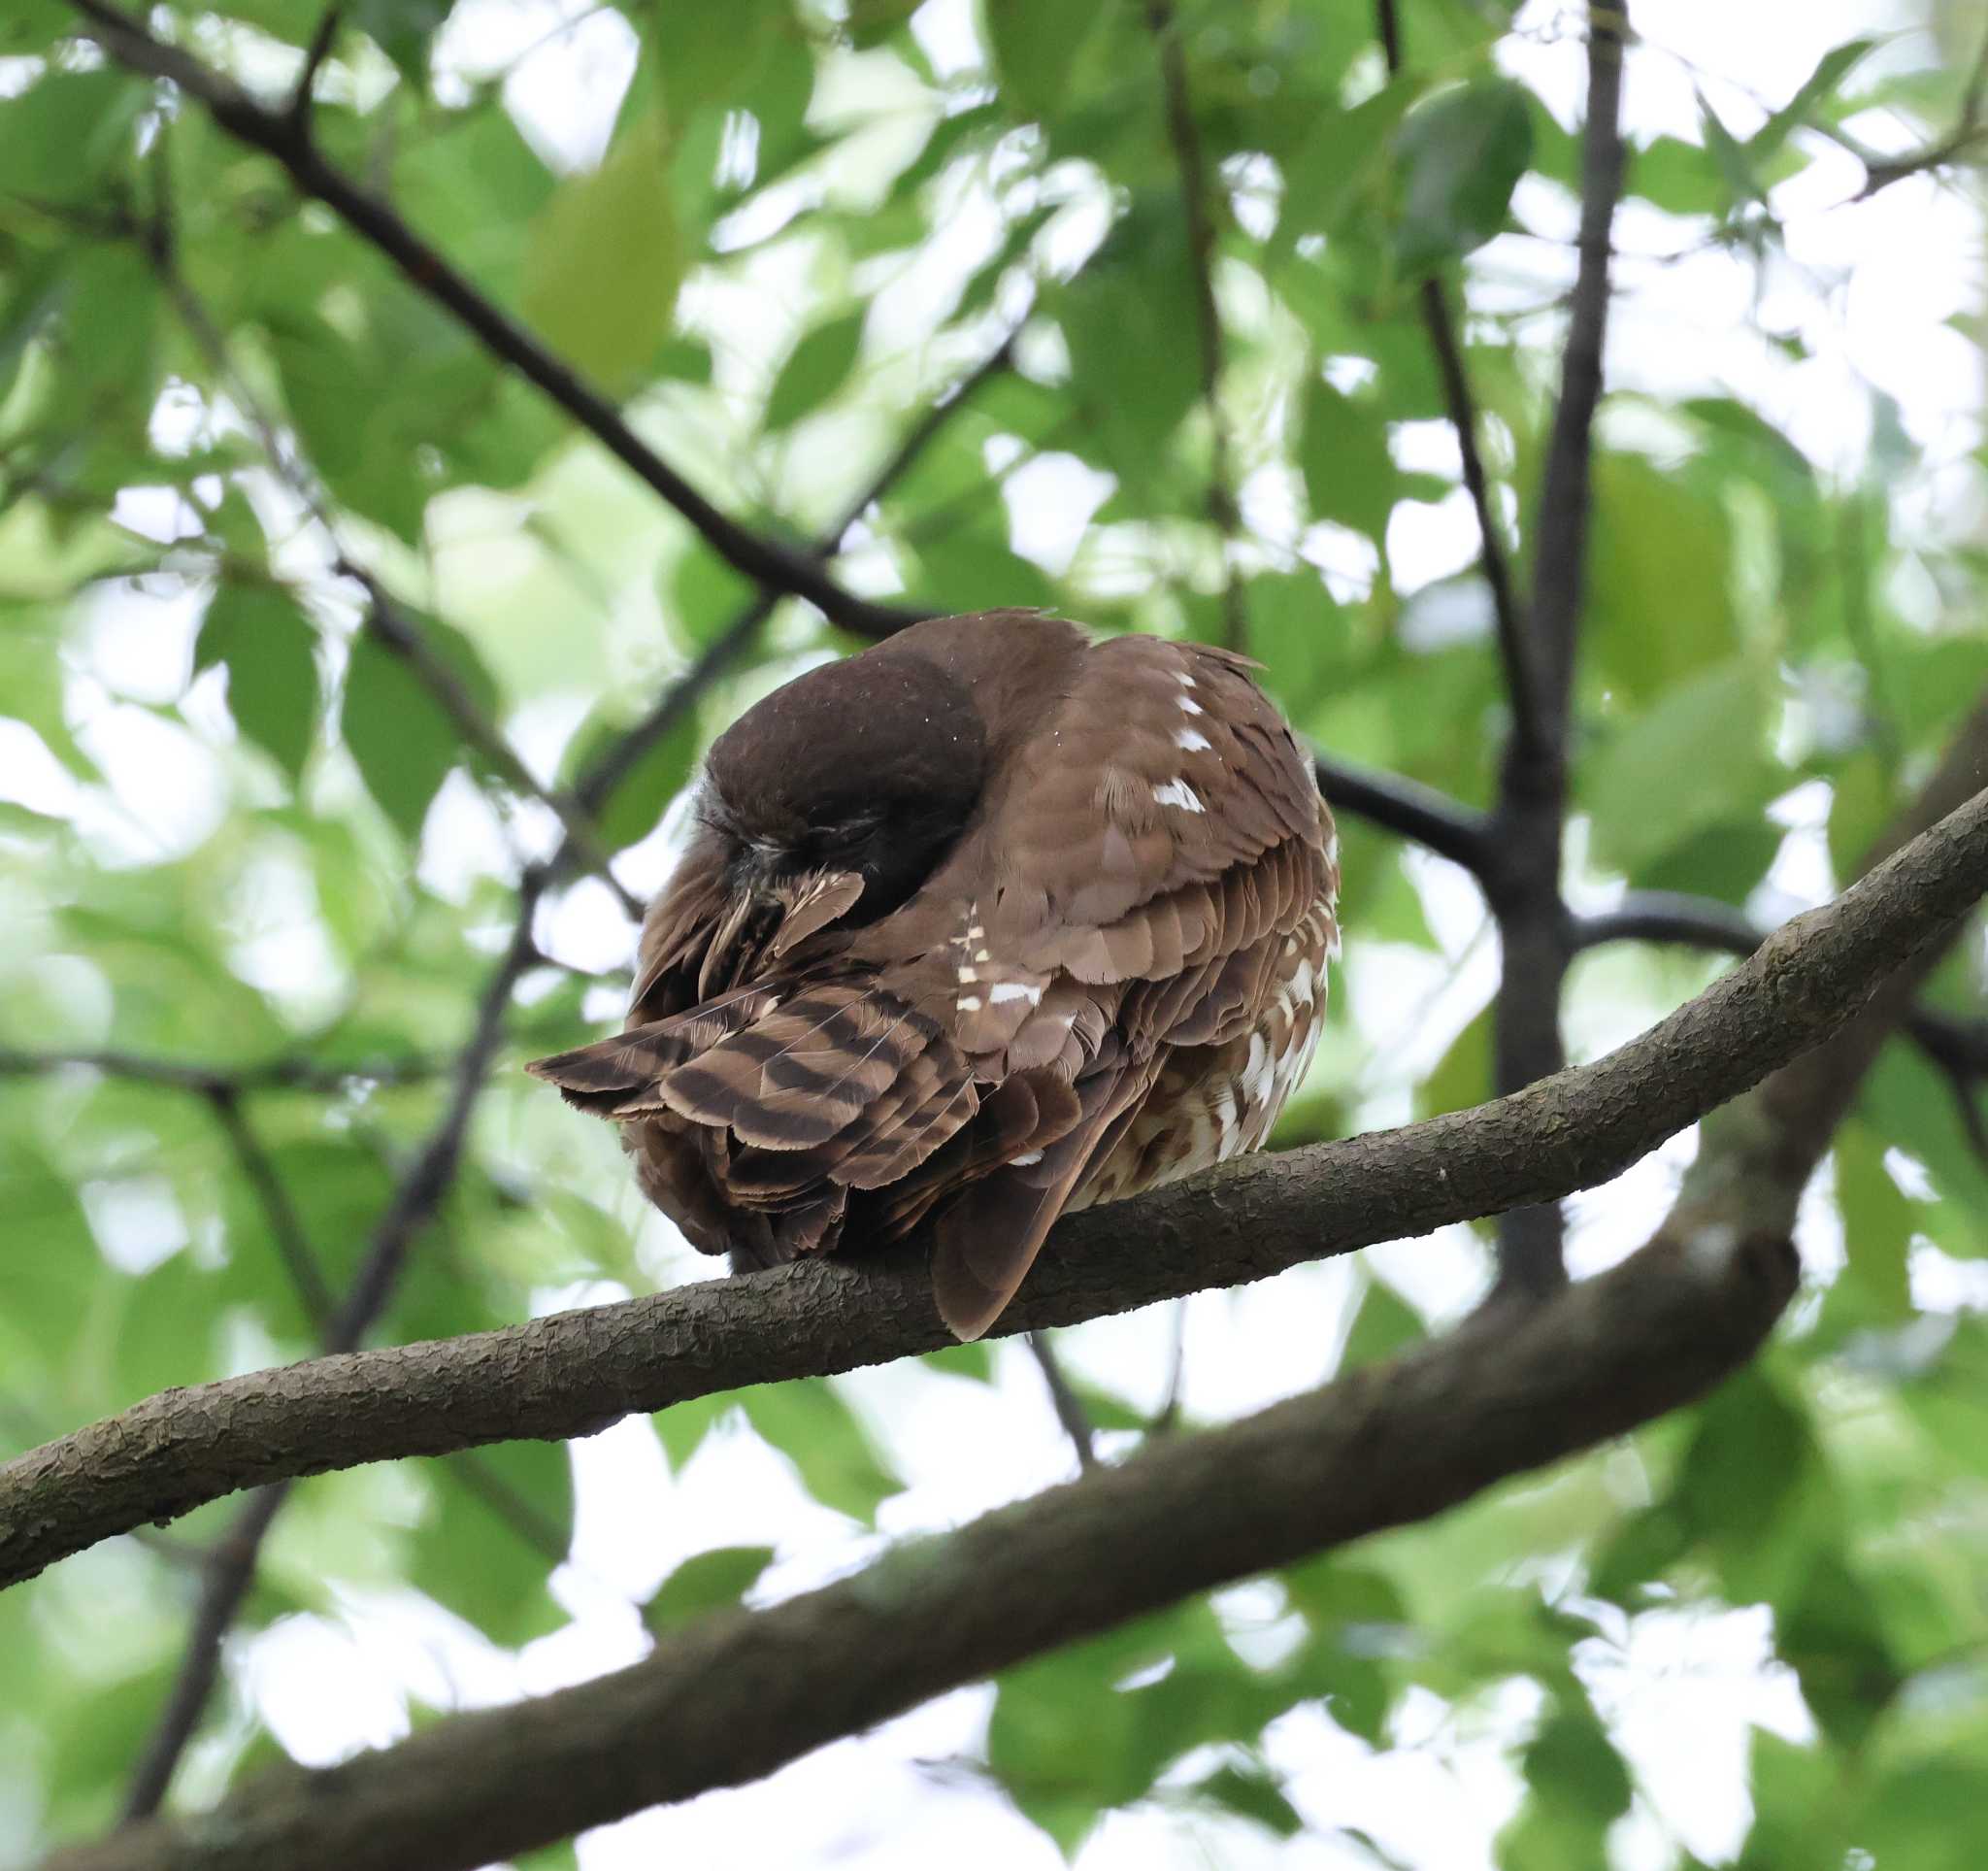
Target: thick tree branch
point(741, 1694)
point(564, 1375)
point(284, 136)
point(1184, 134)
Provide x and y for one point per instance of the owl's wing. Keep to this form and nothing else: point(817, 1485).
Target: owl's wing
point(1143, 864)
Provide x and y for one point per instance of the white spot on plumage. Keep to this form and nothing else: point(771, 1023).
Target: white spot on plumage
point(1027, 1158)
point(1177, 792)
point(1181, 677)
point(1007, 990)
point(967, 976)
point(1332, 850)
point(1191, 740)
point(1188, 705)
point(983, 955)
point(1259, 1076)
point(969, 1003)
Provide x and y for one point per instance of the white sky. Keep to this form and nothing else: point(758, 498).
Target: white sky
point(1871, 288)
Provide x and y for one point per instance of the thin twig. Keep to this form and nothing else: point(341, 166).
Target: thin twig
point(1968, 131)
point(290, 1073)
point(1407, 807)
point(1068, 1405)
point(279, 1212)
point(764, 560)
point(315, 55)
point(1958, 1047)
point(1184, 134)
point(394, 632)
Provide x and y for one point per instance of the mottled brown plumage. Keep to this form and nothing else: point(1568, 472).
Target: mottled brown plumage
point(984, 925)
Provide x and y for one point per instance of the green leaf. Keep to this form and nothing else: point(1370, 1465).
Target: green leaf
point(1832, 1635)
point(1349, 473)
point(1037, 45)
point(1129, 320)
point(1344, 159)
point(1252, 1793)
point(814, 370)
point(1660, 601)
point(607, 257)
point(1683, 764)
point(704, 1581)
point(1924, 1816)
point(500, 1519)
point(63, 136)
point(1821, 84)
point(404, 741)
point(261, 637)
point(1461, 153)
point(1384, 1324)
point(808, 1421)
point(1754, 1489)
point(402, 30)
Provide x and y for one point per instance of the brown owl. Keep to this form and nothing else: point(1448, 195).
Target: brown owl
point(983, 926)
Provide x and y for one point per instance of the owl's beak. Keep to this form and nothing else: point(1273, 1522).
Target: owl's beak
point(765, 921)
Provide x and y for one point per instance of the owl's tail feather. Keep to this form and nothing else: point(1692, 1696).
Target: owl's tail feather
point(607, 1076)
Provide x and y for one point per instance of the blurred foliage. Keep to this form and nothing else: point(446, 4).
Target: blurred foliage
point(235, 828)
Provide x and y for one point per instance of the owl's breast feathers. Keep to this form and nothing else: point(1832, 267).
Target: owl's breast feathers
point(1105, 969)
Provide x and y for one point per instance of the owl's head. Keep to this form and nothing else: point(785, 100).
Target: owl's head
point(871, 767)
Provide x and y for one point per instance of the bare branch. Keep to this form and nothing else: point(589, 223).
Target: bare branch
point(1532, 796)
point(315, 55)
point(573, 1372)
point(279, 1212)
point(1184, 134)
point(1407, 807)
point(766, 561)
point(1068, 1405)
